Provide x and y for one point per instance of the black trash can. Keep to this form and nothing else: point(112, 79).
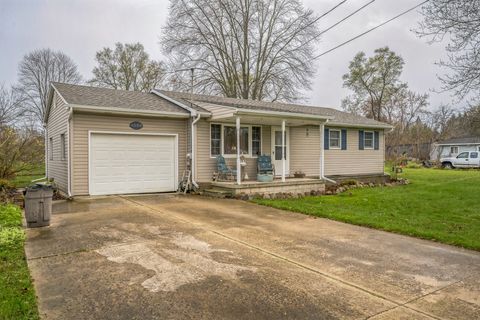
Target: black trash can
point(38, 205)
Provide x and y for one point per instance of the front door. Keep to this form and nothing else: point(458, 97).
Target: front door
point(277, 151)
point(461, 161)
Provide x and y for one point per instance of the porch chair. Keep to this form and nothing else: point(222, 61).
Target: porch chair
point(265, 165)
point(223, 170)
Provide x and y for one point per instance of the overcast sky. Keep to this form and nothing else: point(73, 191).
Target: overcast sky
point(82, 27)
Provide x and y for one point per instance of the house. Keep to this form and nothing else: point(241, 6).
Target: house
point(103, 141)
point(454, 146)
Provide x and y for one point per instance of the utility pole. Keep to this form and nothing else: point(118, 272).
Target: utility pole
point(192, 71)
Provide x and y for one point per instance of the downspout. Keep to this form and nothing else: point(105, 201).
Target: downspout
point(322, 153)
point(194, 122)
point(46, 154)
point(69, 174)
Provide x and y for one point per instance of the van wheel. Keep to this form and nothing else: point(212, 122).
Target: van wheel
point(447, 165)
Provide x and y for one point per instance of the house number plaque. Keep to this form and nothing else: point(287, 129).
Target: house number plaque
point(136, 125)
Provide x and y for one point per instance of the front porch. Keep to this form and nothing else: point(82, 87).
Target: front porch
point(290, 187)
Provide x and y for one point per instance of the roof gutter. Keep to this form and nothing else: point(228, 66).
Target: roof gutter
point(350, 125)
point(458, 144)
point(176, 102)
point(122, 111)
point(281, 113)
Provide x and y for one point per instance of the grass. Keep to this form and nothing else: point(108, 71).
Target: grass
point(440, 205)
point(17, 295)
point(25, 178)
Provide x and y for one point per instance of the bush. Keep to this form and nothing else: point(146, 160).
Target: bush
point(6, 185)
point(414, 165)
point(349, 183)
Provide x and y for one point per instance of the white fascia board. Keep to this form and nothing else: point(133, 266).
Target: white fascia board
point(281, 114)
point(129, 111)
point(52, 89)
point(353, 125)
point(192, 111)
point(458, 144)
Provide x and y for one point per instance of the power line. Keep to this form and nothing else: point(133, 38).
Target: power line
point(335, 7)
point(369, 30)
point(345, 18)
point(338, 22)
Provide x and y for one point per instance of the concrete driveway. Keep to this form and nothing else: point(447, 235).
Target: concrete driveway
point(185, 257)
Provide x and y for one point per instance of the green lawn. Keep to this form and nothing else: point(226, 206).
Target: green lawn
point(17, 296)
point(25, 178)
point(441, 205)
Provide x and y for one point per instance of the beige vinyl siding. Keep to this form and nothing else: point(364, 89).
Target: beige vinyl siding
point(305, 150)
point(206, 164)
point(354, 161)
point(57, 125)
point(83, 123)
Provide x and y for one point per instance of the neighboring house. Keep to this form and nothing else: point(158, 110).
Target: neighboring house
point(419, 150)
point(105, 141)
point(454, 146)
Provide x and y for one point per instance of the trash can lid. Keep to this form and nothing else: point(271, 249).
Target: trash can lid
point(39, 186)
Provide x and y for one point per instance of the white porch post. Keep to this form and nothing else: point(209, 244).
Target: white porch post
point(322, 150)
point(239, 167)
point(283, 151)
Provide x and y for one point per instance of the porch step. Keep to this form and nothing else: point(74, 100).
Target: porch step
point(218, 193)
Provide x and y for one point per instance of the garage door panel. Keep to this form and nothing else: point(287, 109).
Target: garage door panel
point(132, 163)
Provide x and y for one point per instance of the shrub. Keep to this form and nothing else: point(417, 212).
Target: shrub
point(349, 183)
point(413, 165)
point(6, 185)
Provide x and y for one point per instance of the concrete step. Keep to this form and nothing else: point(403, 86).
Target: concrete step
point(217, 193)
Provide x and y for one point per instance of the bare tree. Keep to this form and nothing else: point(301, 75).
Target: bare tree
point(458, 22)
point(127, 67)
point(251, 49)
point(373, 81)
point(10, 106)
point(20, 149)
point(35, 72)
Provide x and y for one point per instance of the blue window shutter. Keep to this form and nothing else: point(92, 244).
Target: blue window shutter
point(360, 140)
point(376, 140)
point(326, 139)
point(344, 139)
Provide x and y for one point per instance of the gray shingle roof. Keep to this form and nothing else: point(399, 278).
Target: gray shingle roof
point(461, 140)
point(111, 98)
point(340, 117)
point(134, 100)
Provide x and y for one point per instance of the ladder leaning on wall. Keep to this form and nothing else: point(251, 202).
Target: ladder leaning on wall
point(186, 182)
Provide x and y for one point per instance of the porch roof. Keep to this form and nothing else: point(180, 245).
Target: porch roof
point(222, 108)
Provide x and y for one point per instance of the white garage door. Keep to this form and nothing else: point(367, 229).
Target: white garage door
point(132, 163)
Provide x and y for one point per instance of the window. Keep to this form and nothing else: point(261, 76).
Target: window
point(63, 147)
point(230, 140)
point(474, 155)
point(334, 139)
point(368, 140)
point(463, 155)
point(453, 150)
point(216, 139)
point(50, 148)
point(223, 140)
point(256, 141)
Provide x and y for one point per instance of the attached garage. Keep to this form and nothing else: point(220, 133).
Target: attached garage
point(122, 163)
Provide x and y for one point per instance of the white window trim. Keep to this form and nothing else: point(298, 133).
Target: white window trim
point(339, 139)
point(373, 140)
point(452, 148)
point(222, 151)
